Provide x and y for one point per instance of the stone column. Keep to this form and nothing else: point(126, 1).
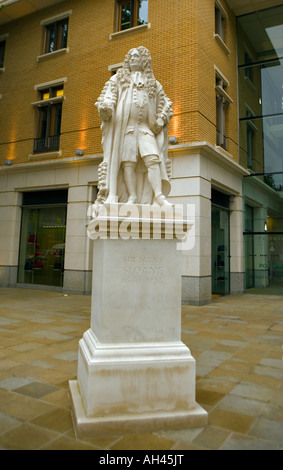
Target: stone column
point(237, 271)
point(134, 372)
point(77, 271)
point(10, 215)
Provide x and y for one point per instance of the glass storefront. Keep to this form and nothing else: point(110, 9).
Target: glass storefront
point(263, 252)
point(260, 79)
point(260, 65)
point(42, 242)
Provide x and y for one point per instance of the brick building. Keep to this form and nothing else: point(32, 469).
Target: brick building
point(219, 61)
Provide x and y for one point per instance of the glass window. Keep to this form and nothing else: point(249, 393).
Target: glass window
point(220, 18)
point(221, 109)
point(42, 243)
point(260, 59)
point(49, 120)
point(220, 251)
point(142, 12)
point(56, 35)
point(261, 141)
point(125, 15)
point(132, 13)
point(2, 53)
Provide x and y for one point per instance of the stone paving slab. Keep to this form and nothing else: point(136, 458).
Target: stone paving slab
point(236, 341)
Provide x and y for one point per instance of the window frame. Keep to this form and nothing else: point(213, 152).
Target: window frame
point(134, 15)
point(220, 26)
point(251, 130)
point(220, 18)
point(57, 25)
point(50, 139)
point(2, 53)
point(222, 102)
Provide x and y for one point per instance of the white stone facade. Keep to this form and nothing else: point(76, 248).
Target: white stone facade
point(196, 168)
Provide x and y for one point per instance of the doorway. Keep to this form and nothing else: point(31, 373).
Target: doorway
point(220, 250)
point(42, 242)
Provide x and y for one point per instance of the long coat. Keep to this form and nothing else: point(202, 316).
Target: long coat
point(113, 133)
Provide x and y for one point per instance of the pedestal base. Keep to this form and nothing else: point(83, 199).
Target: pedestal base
point(134, 388)
point(134, 372)
point(87, 427)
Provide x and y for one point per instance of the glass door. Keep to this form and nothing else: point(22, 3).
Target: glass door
point(220, 253)
point(42, 246)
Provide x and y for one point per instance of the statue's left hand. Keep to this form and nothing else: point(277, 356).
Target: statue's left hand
point(158, 126)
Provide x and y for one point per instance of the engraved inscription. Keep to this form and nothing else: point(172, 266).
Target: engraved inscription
point(142, 269)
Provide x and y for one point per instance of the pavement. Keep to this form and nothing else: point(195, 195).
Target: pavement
point(236, 341)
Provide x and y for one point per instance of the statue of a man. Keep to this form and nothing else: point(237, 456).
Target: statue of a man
point(135, 113)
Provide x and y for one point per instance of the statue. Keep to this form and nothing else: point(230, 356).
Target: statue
point(134, 372)
point(135, 114)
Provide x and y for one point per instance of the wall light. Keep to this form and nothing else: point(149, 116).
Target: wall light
point(173, 140)
point(8, 162)
point(79, 152)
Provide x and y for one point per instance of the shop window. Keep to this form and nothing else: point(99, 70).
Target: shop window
point(2, 53)
point(42, 242)
point(132, 13)
point(56, 36)
point(49, 114)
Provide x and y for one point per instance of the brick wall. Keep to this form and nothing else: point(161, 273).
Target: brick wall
point(183, 51)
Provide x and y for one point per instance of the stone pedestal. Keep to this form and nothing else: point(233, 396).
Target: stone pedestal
point(134, 372)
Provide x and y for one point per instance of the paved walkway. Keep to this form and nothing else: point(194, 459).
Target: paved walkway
point(236, 341)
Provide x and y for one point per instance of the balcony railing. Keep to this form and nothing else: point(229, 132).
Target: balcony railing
point(46, 144)
point(221, 140)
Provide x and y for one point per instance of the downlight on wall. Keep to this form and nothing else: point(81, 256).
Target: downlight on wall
point(173, 140)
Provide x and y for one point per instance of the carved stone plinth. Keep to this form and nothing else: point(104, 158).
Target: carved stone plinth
point(134, 372)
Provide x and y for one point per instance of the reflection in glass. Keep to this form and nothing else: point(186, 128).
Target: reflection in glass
point(260, 79)
point(125, 16)
point(264, 263)
point(261, 143)
point(132, 13)
point(51, 40)
point(64, 35)
point(142, 12)
point(220, 251)
point(42, 246)
point(260, 58)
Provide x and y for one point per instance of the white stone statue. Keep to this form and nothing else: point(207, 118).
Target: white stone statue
point(135, 114)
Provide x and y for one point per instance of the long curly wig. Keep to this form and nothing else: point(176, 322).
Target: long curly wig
point(124, 73)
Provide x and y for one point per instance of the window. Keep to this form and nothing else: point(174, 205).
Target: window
point(220, 21)
point(114, 68)
point(251, 129)
point(49, 109)
point(2, 53)
point(56, 35)
point(250, 141)
point(222, 102)
point(132, 13)
point(249, 69)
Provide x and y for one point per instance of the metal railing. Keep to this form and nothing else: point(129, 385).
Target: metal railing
point(221, 140)
point(46, 144)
